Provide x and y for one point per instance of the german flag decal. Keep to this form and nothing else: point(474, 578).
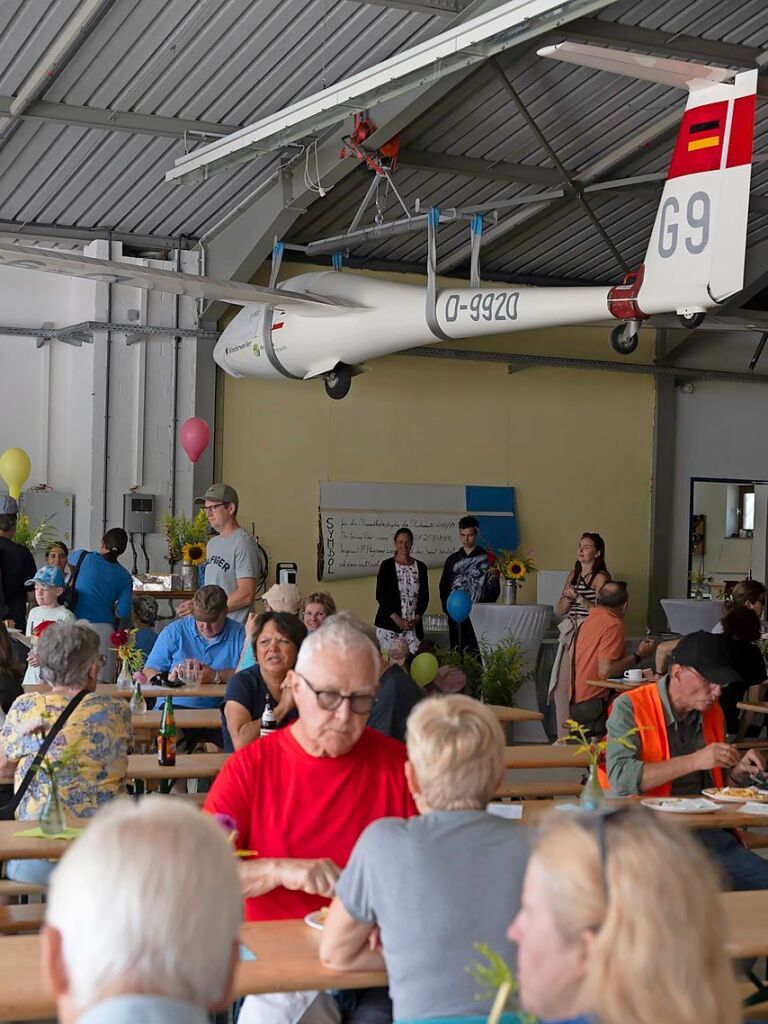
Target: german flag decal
point(704, 135)
point(701, 140)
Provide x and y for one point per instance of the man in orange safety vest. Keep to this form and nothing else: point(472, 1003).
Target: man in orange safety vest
point(680, 748)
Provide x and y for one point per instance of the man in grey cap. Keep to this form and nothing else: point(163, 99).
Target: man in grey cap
point(16, 566)
point(232, 561)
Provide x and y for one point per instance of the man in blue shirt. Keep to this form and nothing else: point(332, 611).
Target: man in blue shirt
point(206, 637)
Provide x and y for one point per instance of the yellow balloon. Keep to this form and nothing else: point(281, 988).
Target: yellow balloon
point(15, 467)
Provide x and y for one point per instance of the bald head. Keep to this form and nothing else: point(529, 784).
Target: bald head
point(613, 595)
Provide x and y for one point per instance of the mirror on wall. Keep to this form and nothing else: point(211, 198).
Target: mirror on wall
point(728, 526)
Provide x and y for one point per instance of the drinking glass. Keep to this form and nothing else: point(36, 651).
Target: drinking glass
point(189, 672)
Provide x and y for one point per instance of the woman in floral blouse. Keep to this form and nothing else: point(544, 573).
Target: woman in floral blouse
point(99, 729)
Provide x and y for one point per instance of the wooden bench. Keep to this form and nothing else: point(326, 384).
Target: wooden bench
point(28, 917)
point(537, 790)
point(755, 840)
point(11, 888)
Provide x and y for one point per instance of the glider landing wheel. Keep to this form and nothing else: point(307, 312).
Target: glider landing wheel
point(621, 343)
point(691, 321)
point(338, 382)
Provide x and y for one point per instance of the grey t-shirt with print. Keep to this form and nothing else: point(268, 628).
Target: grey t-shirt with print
point(229, 559)
point(435, 885)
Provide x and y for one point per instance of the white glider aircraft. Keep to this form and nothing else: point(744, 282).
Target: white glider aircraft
point(326, 324)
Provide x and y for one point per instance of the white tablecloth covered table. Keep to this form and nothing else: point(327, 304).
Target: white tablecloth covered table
point(527, 622)
point(689, 616)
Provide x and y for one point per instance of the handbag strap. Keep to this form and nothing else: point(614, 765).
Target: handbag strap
point(76, 570)
point(45, 746)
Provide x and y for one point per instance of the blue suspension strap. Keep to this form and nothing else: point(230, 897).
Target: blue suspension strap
point(277, 258)
point(475, 239)
point(433, 219)
point(337, 259)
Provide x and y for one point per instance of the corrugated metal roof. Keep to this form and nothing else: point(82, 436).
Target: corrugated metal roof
point(231, 62)
point(225, 61)
point(584, 116)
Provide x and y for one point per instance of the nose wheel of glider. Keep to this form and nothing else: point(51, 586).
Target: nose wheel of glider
point(624, 339)
point(691, 321)
point(338, 381)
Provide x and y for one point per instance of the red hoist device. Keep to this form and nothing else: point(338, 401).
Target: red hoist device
point(385, 158)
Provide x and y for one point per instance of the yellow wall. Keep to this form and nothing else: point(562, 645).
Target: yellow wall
point(577, 446)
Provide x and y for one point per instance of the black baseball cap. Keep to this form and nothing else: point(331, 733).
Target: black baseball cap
point(710, 655)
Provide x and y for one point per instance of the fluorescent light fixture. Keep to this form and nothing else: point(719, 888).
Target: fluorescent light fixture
point(459, 47)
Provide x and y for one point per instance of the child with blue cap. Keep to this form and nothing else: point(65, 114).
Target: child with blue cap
point(49, 585)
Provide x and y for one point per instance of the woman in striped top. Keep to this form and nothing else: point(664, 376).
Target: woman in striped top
point(587, 578)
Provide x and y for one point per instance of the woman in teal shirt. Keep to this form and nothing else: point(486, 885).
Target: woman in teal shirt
point(103, 591)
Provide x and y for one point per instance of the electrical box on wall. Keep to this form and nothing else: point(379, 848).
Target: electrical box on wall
point(139, 513)
point(286, 572)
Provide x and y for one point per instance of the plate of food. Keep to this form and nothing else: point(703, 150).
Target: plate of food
point(680, 804)
point(737, 794)
point(317, 918)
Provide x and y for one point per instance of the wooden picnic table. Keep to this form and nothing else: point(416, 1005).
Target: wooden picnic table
point(112, 690)
point(504, 714)
point(622, 685)
point(188, 766)
point(185, 718)
point(288, 959)
point(166, 595)
point(210, 690)
point(729, 816)
point(544, 755)
point(759, 706)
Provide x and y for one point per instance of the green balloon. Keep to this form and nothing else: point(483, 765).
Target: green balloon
point(424, 668)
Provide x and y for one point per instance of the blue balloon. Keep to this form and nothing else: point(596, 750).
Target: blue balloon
point(459, 605)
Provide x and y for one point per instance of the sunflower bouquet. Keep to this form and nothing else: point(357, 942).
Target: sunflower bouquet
point(184, 534)
point(510, 565)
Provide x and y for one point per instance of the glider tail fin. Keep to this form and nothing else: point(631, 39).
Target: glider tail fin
point(695, 256)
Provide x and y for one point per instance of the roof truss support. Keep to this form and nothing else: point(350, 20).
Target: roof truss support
point(117, 121)
point(444, 8)
point(496, 171)
point(19, 229)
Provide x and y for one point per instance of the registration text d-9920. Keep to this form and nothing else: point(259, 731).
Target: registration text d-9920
point(482, 305)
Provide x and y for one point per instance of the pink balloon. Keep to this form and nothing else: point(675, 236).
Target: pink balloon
point(194, 435)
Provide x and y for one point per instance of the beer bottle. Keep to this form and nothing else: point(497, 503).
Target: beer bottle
point(166, 741)
point(268, 719)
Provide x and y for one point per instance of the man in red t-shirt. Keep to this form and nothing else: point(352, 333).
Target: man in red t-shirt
point(601, 652)
point(302, 796)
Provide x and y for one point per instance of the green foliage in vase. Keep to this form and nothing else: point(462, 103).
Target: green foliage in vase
point(495, 676)
point(496, 984)
point(32, 536)
point(180, 530)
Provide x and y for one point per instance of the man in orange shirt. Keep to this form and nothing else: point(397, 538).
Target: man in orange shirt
point(601, 652)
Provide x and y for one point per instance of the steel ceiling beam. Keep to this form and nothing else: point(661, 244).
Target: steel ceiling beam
point(115, 120)
point(592, 173)
point(755, 277)
point(517, 361)
point(420, 159)
point(27, 230)
point(441, 8)
point(565, 174)
point(56, 57)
